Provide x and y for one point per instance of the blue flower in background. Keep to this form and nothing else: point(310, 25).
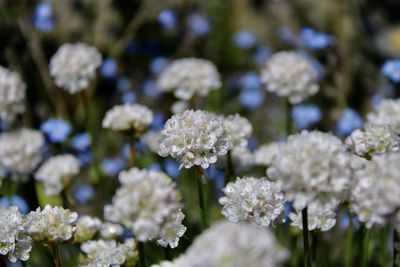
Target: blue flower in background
point(84, 158)
point(305, 116)
point(56, 130)
point(349, 122)
point(43, 18)
point(158, 121)
point(198, 24)
point(172, 168)
point(250, 80)
point(150, 88)
point(218, 177)
point(158, 64)
point(288, 209)
point(154, 167)
point(391, 69)
point(109, 68)
point(17, 201)
point(377, 99)
point(244, 39)
point(261, 55)
point(251, 98)
point(81, 141)
point(124, 84)
point(112, 166)
point(83, 193)
point(4, 125)
point(315, 40)
point(127, 234)
point(168, 19)
point(287, 36)
point(128, 98)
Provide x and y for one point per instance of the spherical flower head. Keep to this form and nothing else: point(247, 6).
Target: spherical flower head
point(73, 66)
point(12, 94)
point(386, 113)
point(21, 150)
point(289, 74)
point(319, 216)
point(312, 166)
point(195, 138)
point(124, 118)
point(238, 129)
point(258, 201)
point(57, 172)
point(146, 203)
point(188, 77)
point(52, 224)
point(375, 189)
point(266, 154)
point(86, 228)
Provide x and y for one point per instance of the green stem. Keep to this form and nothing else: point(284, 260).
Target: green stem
point(304, 217)
point(288, 125)
point(202, 203)
point(348, 257)
point(231, 168)
point(167, 254)
point(365, 247)
point(142, 257)
point(132, 141)
point(56, 254)
point(395, 243)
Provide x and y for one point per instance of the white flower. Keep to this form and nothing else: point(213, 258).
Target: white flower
point(312, 166)
point(266, 154)
point(376, 188)
point(12, 94)
point(195, 138)
point(152, 140)
point(57, 172)
point(386, 113)
point(238, 129)
point(172, 231)
point(289, 74)
point(319, 216)
point(86, 228)
point(375, 139)
point(13, 241)
point(128, 117)
point(254, 200)
point(20, 150)
point(52, 224)
point(146, 203)
point(73, 66)
point(188, 77)
point(110, 230)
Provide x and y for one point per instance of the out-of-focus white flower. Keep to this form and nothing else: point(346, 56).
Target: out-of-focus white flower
point(376, 188)
point(86, 228)
point(73, 66)
point(238, 129)
point(312, 166)
point(128, 117)
point(242, 158)
point(386, 113)
point(254, 200)
point(110, 230)
point(12, 94)
point(195, 138)
point(56, 172)
point(289, 74)
point(20, 150)
point(375, 139)
point(52, 224)
point(13, 241)
point(266, 154)
point(147, 203)
point(179, 107)
point(188, 77)
point(319, 216)
point(152, 140)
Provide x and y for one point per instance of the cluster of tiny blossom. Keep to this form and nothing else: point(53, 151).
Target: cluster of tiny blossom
point(128, 117)
point(73, 66)
point(289, 74)
point(319, 216)
point(375, 139)
point(21, 150)
point(229, 245)
point(86, 228)
point(188, 77)
point(195, 138)
point(12, 94)
point(52, 224)
point(312, 166)
point(109, 252)
point(386, 113)
point(57, 172)
point(376, 188)
point(238, 129)
point(13, 241)
point(251, 199)
point(266, 154)
point(148, 204)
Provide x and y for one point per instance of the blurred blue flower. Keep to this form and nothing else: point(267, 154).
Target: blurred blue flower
point(112, 166)
point(168, 19)
point(287, 36)
point(305, 116)
point(17, 201)
point(56, 130)
point(348, 122)
point(128, 98)
point(287, 210)
point(127, 234)
point(218, 177)
point(252, 144)
point(158, 64)
point(81, 141)
point(14, 264)
point(315, 40)
point(251, 98)
point(344, 221)
point(261, 55)
point(250, 80)
point(124, 84)
point(391, 69)
point(154, 167)
point(198, 24)
point(172, 168)
point(376, 99)
point(84, 158)
point(244, 39)
point(150, 88)
point(158, 121)
point(4, 125)
point(83, 193)
point(109, 68)
point(43, 18)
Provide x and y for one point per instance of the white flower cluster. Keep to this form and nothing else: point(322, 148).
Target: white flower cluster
point(238, 129)
point(128, 117)
point(148, 204)
point(266, 154)
point(386, 113)
point(250, 199)
point(312, 166)
point(375, 139)
point(12, 94)
point(13, 241)
point(195, 138)
point(376, 188)
point(230, 245)
point(109, 252)
point(86, 228)
point(57, 172)
point(74, 65)
point(21, 150)
point(110, 230)
point(52, 224)
point(188, 77)
point(319, 216)
point(289, 74)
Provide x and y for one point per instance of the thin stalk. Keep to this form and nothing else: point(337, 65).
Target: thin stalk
point(348, 257)
point(167, 254)
point(231, 168)
point(142, 257)
point(304, 217)
point(395, 251)
point(365, 247)
point(132, 148)
point(56, 254)
point(202, 202)
point(288, 126)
